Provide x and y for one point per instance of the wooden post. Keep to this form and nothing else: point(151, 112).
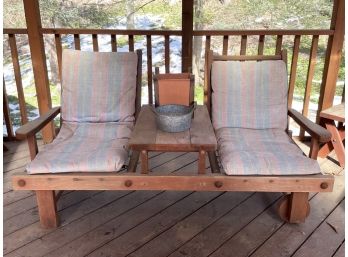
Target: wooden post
point(37, 50)
point(187, 34)
point(333, 58)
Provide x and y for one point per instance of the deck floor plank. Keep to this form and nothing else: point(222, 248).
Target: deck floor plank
point(148, 223)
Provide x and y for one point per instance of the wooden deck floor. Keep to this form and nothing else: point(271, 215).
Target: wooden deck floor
point(155, 224)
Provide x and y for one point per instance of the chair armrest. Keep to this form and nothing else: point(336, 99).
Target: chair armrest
point(32, 127)
point(315, 130)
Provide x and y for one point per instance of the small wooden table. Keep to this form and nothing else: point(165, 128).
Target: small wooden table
point(146, 137)
point(328, 117)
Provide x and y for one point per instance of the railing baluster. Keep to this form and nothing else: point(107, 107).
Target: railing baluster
point(18, 78)
point(243, 44)
point(279, 43)
point(131, 43)
point(167, 53)
point(293, 71)
point(310, 74)
point(207, 44)
point(261, 44)
point(149, 67)
point(77, 42)
point(343, 93)
point(225, 45)
point(6, 110)
point(95, 42)
point(113, 43)
point(59, 53)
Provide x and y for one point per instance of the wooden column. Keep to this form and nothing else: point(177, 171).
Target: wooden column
point(187, 34)
point(37, 50)
point(333, 58)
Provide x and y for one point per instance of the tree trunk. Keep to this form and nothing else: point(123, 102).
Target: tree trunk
point(197, 42)
point(130, 14)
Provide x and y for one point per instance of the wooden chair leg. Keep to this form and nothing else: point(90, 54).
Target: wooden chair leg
point(144, 162)
point(213, 162)
point(133, 162)
point(201, 162)
point(294, 207)
point(46, 202)
point(298, 207)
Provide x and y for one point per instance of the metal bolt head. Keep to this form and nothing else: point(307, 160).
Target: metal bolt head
point(21, 183)
point(128, 183)
point(218, 184)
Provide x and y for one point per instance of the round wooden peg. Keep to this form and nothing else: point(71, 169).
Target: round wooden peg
point(21, 183)
point(324, 185)
point(128, 183)
point(218, 184)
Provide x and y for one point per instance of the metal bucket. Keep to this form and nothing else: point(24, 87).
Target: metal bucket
point(173, 117)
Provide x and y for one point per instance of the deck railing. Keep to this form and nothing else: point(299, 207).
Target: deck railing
point(243, 35)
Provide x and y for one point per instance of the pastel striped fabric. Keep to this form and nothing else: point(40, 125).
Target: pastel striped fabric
point(261, 152)
point(249, 94)
point(98, 87)
point(85, 146)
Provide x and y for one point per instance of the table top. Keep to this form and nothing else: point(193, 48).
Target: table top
point(146, 136)
point(334, 113)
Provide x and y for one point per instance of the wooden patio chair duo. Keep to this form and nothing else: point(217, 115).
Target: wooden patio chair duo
point(247, 102)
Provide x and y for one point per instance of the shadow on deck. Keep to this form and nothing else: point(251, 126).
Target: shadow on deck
point(154, 224)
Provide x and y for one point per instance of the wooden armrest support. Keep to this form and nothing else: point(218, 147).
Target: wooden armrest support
point(315, 130)
point(32, 127)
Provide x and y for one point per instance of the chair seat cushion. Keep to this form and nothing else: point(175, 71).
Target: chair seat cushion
point(86, 147)
point(262, 152)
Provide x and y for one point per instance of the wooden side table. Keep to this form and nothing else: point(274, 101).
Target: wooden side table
point(329, 116)
point(146, 137)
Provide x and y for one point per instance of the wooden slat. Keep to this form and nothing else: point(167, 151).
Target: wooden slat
point(59, 53)
point(243, 45)
point(6, 111)
point(111, 181)
point(261, 45)
point(293, 72)
point(167, 53)
point(207, 44)
point(131, 43)
point(279, 43)
point(310, 75)
point(95, 42)
point(77, 42)
point(225, 45)
point(149, 68)
point(18, 78)
point(113, 43)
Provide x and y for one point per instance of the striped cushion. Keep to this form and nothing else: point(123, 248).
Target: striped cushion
point(98, 87)
point(85, 147)
point(249, 94)
point(261, 152)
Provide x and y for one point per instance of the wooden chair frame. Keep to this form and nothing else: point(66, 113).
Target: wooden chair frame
point(291, 210)
point(157, 76)
point(294, 207)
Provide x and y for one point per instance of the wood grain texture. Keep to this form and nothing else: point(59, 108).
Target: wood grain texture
point(111, 181)
point(47, 208)
point(32, 127)
point(146, 135)
point(335, 113)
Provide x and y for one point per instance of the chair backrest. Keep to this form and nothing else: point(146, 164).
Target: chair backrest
point(247, 91)
point(100, 86)
point(173, 88)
